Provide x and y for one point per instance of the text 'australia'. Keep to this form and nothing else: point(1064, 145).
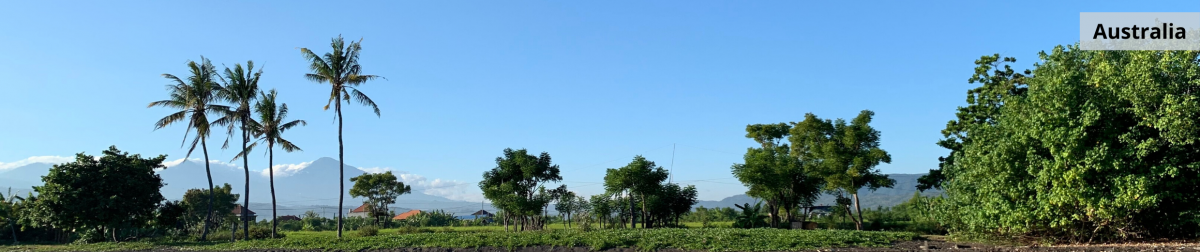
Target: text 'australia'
point(1167, 31)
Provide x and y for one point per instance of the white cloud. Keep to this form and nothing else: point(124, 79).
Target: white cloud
point(375, 170)
point(284, 170)
point(177, 162)
point(36, 159)
point(450, 189)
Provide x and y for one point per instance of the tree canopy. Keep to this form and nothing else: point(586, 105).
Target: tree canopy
point(113, 191)
point(513, 185)
point(1099, 144)
point(380, 189)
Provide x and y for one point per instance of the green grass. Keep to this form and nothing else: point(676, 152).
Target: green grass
point(711, 239)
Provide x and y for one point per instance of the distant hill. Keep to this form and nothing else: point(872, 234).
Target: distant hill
point(906, 185)
point(309, 188)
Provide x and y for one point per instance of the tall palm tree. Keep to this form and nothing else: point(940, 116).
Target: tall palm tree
point(269, 129)
point(341, 70)
point(241, 89)
point(194, 99)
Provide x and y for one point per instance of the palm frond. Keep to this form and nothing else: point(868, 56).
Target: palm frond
point(362, 98)
point(242, 153)
point(291, 125)
point(287, 145)
point(169, 119)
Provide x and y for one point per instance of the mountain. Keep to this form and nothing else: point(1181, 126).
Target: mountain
point(23, 178)
point(298, 188)
point(906, 185)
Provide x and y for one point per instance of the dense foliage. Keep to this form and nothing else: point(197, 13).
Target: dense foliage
point(1092, 145)
point(105, 194)
point(643, 184)
point(773, 174)
point(516, 186)
point(381, 190)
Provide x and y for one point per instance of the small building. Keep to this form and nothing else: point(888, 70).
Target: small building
point(237, 212)
point(287, 218)
point(405, 215)
point(482, 214)
point(361, 211)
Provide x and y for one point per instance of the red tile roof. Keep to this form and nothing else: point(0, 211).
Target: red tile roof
point(360, 209)
point(405, 215)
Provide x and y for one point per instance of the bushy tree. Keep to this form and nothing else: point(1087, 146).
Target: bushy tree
point(640, 178)
point(381, 190)
point(195, 202)
point(773, 174)
point(1102, 144)
point(513, 185)
point(844, 154)
point(115, 191)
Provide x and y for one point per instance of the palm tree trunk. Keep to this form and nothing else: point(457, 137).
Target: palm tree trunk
point(271, 169)
point(207, 221)
point(341, 166)
point(246, 169)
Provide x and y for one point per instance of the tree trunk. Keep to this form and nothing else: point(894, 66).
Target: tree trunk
point(271, 169)
point(632, 212)
point(13, 226)
point(645, 217)
point(858, 222)
point(114, 235)
point(233, 231)
point(207, 170)
point(246, 169)
point(341, 166)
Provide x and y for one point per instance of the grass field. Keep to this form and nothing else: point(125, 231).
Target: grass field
point(710, 239)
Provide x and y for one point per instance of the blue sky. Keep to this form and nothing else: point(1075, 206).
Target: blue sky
point(592, 83)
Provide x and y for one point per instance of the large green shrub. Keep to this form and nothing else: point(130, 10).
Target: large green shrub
point(1098, 145)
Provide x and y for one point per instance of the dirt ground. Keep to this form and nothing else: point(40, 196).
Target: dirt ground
point(931, 244)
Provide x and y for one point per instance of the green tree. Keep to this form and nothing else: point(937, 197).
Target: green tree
point(513, 184)
point(602, 208)
point(984, 103)
point(194, 99)
point(750, 217)
point(8, 211)
point(241, 88)
point(640, 177)
point(272, 122)
point(222, 202)
point(380, 189)
point(773, 174)
point(340, 69)
point(1102, 145)
point(114, 191)
point(565, 205)
point(846, 155)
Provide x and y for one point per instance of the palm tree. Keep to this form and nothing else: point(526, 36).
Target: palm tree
point(194, 99)
point(341, 70)
point(269, 129)
point(241, 88)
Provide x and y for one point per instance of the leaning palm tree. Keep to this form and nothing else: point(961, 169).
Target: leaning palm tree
point(341, 70)
point(194, 99)
point(269, 129)
point(241, 89)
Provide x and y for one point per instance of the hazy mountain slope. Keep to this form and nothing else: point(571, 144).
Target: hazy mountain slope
point(906, 185)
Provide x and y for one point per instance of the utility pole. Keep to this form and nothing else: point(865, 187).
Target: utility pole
point(672, 178)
